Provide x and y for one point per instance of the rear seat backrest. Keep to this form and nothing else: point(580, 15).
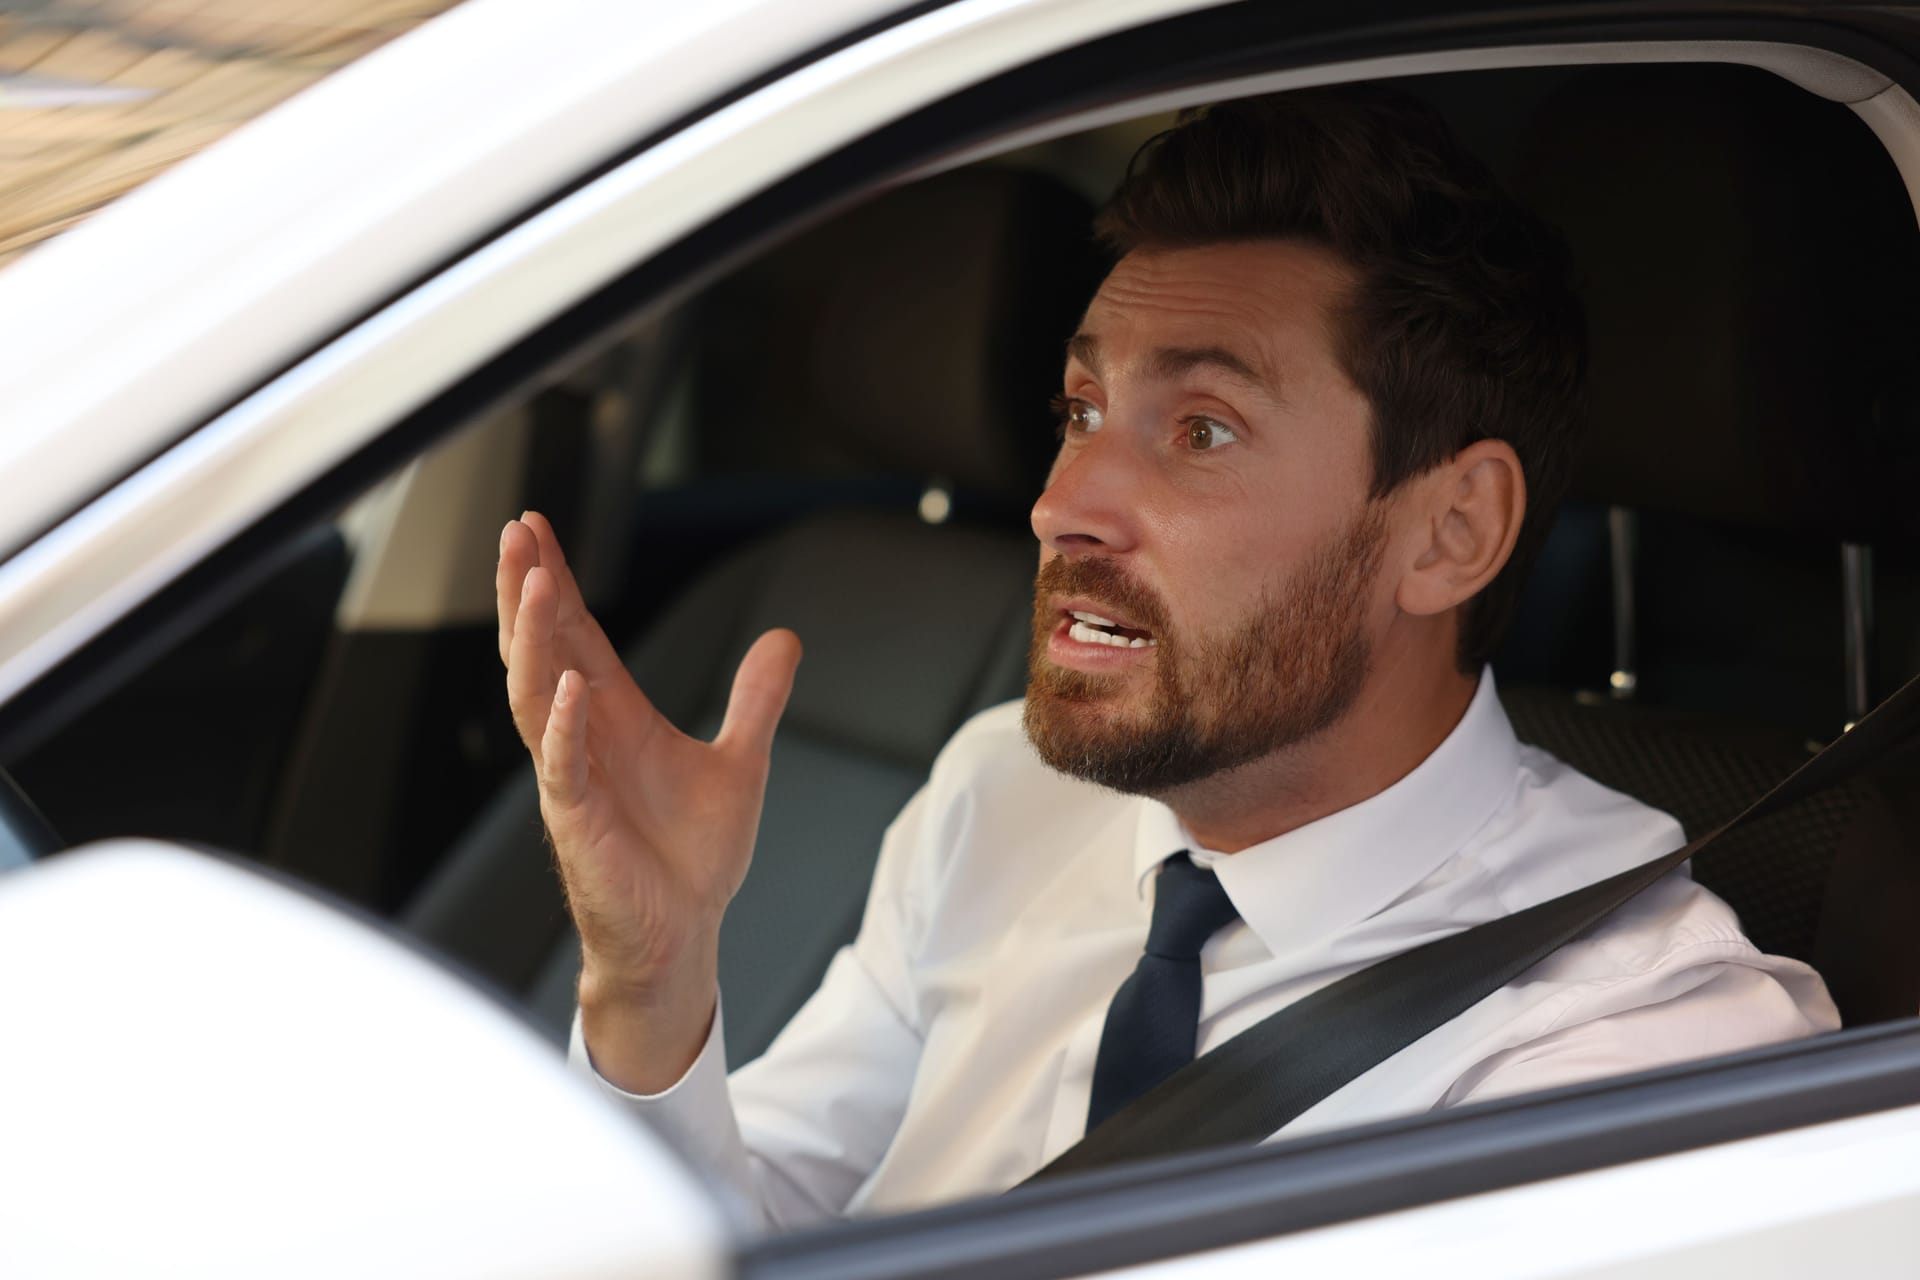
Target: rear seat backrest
point(918, 336)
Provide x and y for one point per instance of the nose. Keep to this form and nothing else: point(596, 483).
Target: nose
point(1092, 499)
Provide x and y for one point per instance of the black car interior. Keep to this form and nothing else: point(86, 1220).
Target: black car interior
point(863, 418)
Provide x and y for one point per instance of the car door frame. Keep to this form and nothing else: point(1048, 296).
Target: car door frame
point(1710, 1122)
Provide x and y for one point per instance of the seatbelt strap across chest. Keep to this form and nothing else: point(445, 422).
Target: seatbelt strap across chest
point(1248, 1088)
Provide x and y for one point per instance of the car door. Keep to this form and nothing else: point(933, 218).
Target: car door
point(130, 501)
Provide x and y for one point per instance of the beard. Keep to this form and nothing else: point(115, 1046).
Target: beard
point(1289, 669)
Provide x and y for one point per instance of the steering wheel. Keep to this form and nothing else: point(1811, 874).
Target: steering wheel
point(25, 835)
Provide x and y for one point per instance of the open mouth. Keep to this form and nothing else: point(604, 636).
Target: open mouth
point(1091, 628)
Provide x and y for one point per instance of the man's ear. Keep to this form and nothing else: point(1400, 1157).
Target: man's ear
point(1469, 511)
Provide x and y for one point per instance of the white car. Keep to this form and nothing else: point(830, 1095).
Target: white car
point(750, 297)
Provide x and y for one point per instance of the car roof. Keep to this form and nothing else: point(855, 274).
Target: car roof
point(125, 333)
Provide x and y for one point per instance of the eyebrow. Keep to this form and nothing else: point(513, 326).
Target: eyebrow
point(1085, 348)
point(1172, 362)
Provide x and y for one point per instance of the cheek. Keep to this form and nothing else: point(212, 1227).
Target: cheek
point(1221, 563)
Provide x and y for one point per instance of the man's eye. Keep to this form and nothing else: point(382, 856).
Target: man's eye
point(1205, 433)
point(1076, 416)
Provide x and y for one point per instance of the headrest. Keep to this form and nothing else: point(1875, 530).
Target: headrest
point(921, 333)
point(1751, 269)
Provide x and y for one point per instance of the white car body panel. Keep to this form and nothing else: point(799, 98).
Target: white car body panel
point(301, 221)
point(1835, 1199)
point(210, 1075)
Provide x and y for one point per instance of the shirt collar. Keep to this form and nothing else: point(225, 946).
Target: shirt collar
point(1319, 879)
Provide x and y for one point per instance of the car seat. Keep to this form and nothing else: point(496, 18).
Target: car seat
point(914, 340)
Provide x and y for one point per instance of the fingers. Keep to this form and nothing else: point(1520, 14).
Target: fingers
point(563, 747)
point(530, 664)
point(519, 552)
point(549, 554)
point(579, 640)
point(760, 691)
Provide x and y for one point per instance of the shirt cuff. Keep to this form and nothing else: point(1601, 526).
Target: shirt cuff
point(694, 1113)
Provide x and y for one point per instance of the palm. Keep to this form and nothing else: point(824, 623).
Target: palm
point(653, 829)
point(668, 819)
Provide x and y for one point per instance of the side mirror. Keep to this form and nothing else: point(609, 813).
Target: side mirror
point(205, 1072)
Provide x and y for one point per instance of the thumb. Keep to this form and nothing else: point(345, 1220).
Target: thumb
point(563, 747)
point(760, 691)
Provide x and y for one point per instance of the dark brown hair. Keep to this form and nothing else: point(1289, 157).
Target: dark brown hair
point(1463, 326)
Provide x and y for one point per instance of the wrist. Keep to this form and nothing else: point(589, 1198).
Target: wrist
point(643, 1037)
point(657, 983)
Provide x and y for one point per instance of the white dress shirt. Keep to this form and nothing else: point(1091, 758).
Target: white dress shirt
point(949, 1051)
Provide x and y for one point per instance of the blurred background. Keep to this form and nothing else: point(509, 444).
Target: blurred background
point(97, 96)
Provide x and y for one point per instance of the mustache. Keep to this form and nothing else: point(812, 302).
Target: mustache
point(1101, 579)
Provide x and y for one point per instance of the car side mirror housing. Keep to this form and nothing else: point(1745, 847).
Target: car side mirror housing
point(208, 1072)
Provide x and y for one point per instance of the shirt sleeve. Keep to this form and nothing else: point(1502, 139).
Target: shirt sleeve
point(796, 1133)
point(1707, 999)
point(694, 1115)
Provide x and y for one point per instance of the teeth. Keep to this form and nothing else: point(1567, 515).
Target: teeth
point(1087, 635)
point(1094, 618)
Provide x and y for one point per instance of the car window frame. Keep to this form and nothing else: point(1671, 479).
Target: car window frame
point(1159, 1209)
point(1073, 1226)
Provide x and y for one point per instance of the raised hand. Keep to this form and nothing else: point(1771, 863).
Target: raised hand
point(652, 829)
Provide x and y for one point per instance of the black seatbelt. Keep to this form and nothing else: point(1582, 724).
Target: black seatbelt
point(1247, 1089)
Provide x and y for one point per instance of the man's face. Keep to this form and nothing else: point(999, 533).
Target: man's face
point(1210, 498)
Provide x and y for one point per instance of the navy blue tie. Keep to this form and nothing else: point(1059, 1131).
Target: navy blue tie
point(1154, 1019)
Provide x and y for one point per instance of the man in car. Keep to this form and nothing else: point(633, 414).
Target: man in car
point(1314, 425)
